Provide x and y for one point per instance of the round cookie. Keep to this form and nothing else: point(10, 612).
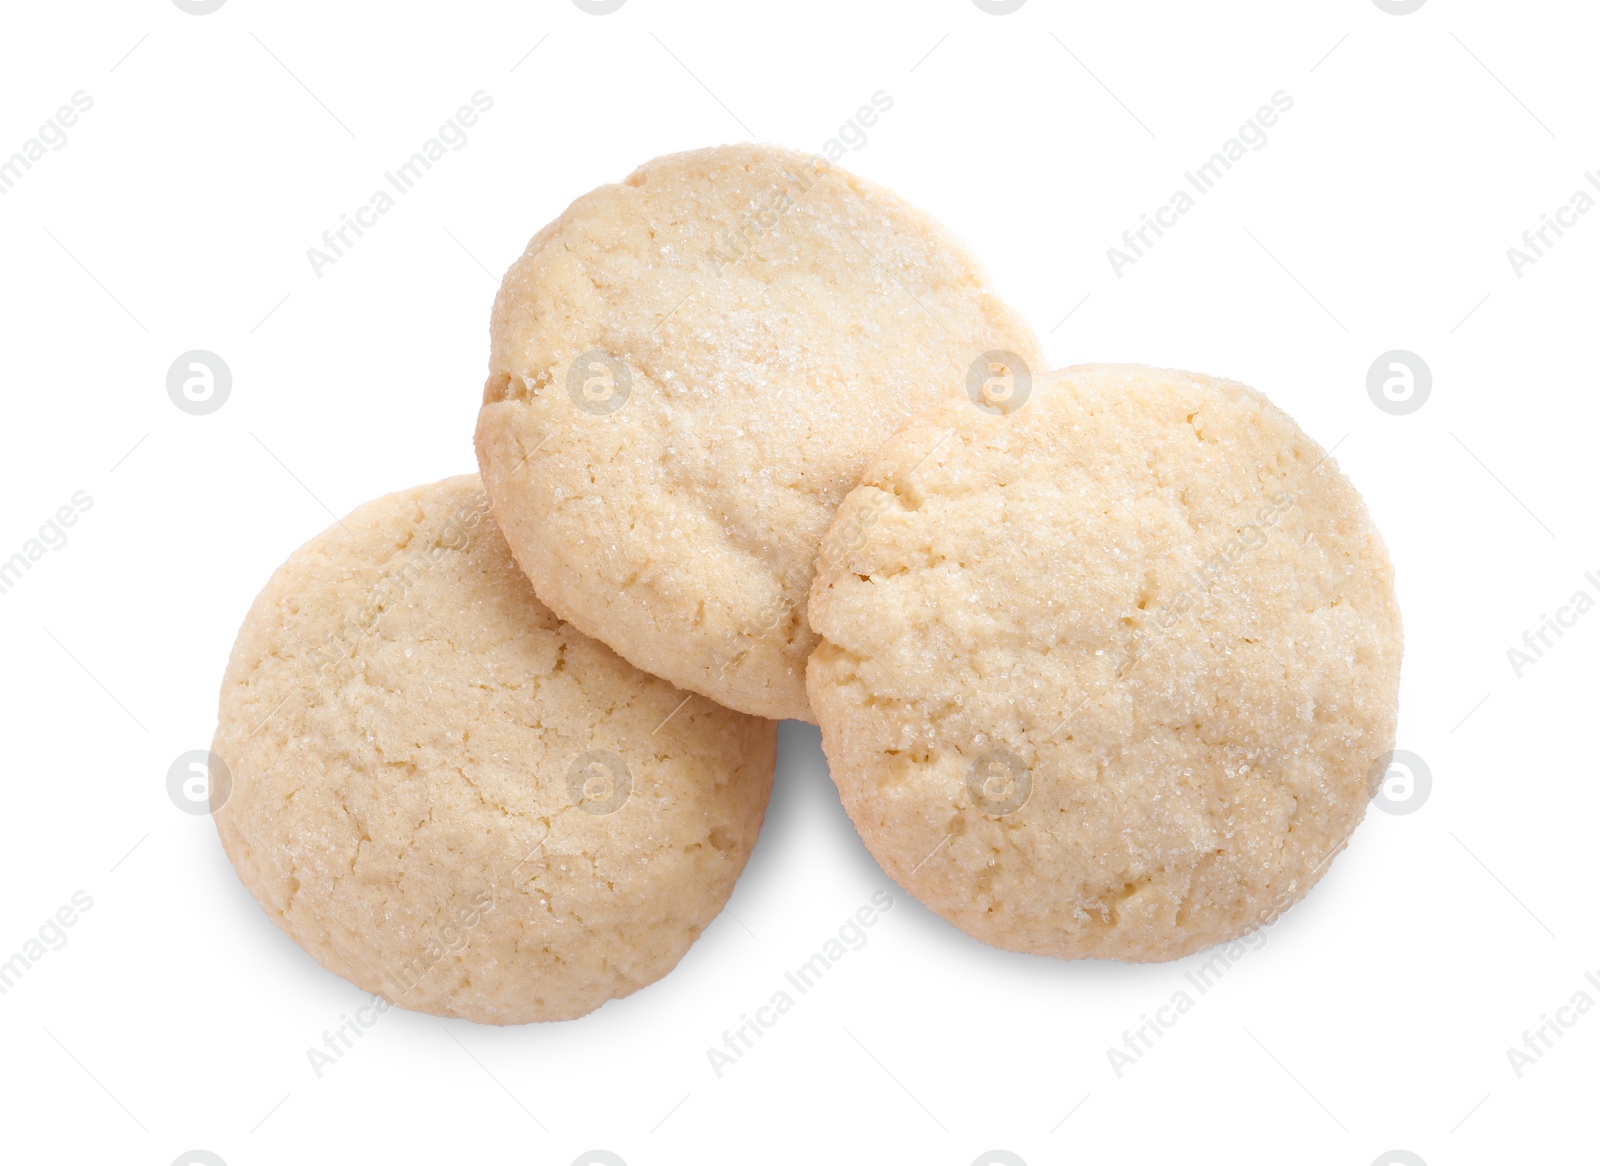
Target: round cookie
point(689, 371)
point(456, 801)
point(1105, 669)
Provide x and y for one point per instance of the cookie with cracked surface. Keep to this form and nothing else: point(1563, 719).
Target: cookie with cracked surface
point(688, 372)
point(1105, 674)
point(453, 799)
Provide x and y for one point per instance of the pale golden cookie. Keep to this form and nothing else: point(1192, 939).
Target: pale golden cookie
point(1105, 670)
point(689, 370)
point(453, 799)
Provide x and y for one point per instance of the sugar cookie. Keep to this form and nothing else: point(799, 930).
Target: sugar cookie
point(456, 801)
point(689, 370)
point(1105, 668)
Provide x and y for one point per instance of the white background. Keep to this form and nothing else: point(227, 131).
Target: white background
point(177, 216)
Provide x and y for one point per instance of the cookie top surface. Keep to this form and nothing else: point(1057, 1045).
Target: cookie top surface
point(689, 370)
point(1106, 674)
point(458, 802)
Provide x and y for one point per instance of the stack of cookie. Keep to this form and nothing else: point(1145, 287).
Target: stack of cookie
point(1102, 657)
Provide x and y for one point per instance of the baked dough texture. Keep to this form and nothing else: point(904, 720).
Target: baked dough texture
point(456, 801)
point(689, 371)
point(1105, 675)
